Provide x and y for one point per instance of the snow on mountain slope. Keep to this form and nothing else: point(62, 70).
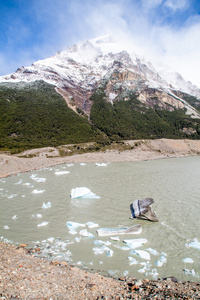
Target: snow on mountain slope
point(77, 71)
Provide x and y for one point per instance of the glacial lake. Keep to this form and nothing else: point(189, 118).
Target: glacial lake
point(36, 206)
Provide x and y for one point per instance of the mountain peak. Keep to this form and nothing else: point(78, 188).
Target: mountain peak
point(86, 64)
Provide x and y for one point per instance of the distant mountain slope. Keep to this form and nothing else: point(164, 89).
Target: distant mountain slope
point(110, 94)
point(35, 115)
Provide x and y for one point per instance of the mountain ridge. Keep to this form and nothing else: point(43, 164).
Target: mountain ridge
point(117, 93)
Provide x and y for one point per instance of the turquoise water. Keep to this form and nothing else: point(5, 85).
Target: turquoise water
point(172, 183)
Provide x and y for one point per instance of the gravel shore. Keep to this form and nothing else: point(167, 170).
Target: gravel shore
point(23, 276)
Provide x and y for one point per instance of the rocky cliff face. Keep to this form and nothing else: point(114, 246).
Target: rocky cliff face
point(79, 70)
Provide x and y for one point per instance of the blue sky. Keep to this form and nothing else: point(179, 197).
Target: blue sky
point(163, 30)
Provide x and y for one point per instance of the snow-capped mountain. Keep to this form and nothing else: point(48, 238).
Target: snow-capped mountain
point(77, 71)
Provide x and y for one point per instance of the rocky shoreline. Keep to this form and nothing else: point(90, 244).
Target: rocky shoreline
point(24, 276)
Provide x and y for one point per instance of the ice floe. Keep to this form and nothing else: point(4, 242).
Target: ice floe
point(135, 229)
point(188, 260)
point(43, 224)
point(191, 272)
point(37, 216)
point(71, 224)
point(86, 233)
point(92, 224)
point(135, 243)
point(82, 192)
point(38, 191)
point(14, 217)
point(102, 249)
point(37, 179)
point(153, 251)
point(101, 164)
point(132, 260)
point(6, 227)
point(12, 196)
point(46, 205)
point(141, 253)
point(61, 172)
point(162, 260)
point(194, 244)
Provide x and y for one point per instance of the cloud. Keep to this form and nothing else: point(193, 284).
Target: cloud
point(175, 5)
point(156, 29)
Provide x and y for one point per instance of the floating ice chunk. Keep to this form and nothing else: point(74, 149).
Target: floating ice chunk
point(61, 172)
point(38, 191)
point(109, 253)
point(113, 272)
point(159, 263)
point(154, 273)
point(37, 179)
point(141, 253)
point(142, 270)
point(125, 273)
point(43, 224)
point(27, 183)
point(100, 250)
point(194, 244)
point(37, 216)
point(72, 231)
point(132, 260)
point(86, 233)
point(188, 260)
point(72, 225)
point(115, 238)
point(124, 248)
point(46, 205)
point(101, 164)
point(14, 217)
point(135, 243)
point(100, 242)
point(135, 229)
point(82, 164)
point(191, 272)
point(70, 165)
point(51, 239)
point(40, 179)
point(82, 192)
point(77, 239)
point(163, 257)
point(12, 196)
point(19, 182)
point(153, 251)
point(6, 227)
point(162, 260)
point(92, 224)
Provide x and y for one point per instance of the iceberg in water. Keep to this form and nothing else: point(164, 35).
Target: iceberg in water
point(101, 164)
point(194, 244)
point(86, 233)
point(188, 260)
point(73, 225)
point(135, 243)
point(43, 224)
point(82, 192)
point(61, 172)
point(141, 253)
point(46, 205)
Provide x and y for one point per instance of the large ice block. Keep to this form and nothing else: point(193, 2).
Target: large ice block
point(82, 192)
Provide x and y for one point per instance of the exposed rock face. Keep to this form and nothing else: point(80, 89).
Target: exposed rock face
point(79, 70)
